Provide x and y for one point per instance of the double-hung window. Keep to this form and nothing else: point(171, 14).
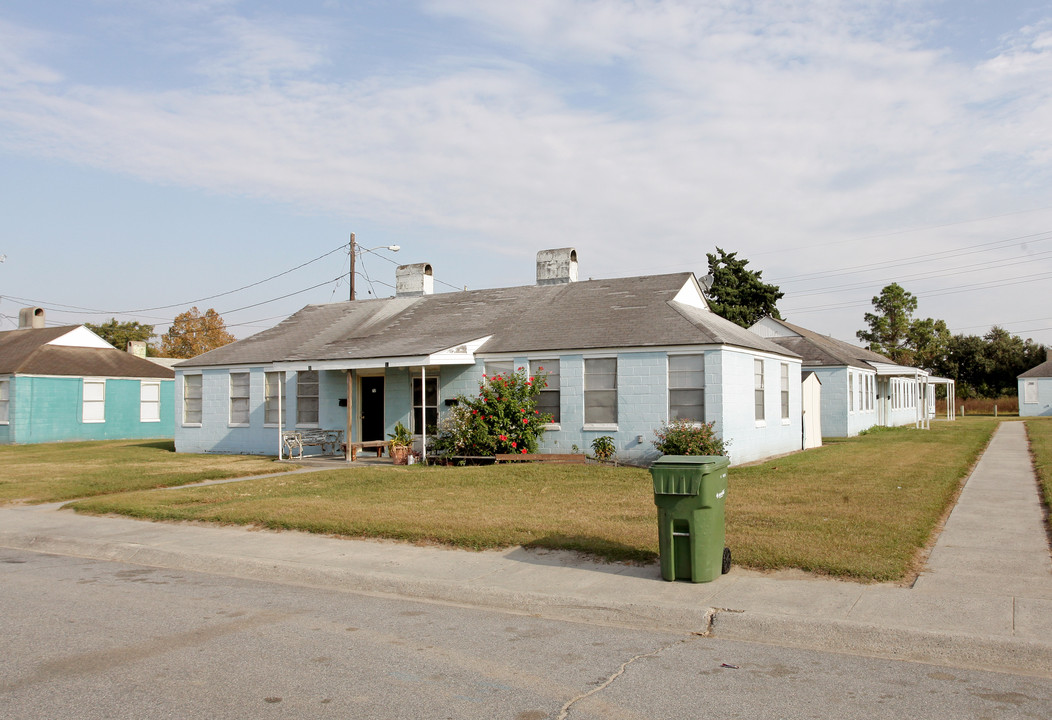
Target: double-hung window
point(600, 391)
point(499, 367)
point(785, 391)
point(548, 401)
point(274, 397)
point(686, 387)
point(149, 401)
point(850, 391)
point(307, 397)
point(239, 383)
point(94, 401)
point(5, 401)
point(425, 404)
point(758, 390)
point(191, 399)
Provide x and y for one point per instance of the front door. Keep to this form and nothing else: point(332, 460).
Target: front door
point(372, 408)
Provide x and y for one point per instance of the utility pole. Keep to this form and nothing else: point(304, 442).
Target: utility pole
point(354, 251)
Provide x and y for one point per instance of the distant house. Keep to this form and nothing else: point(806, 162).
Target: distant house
point(624, 356)
point(1035, 390)
point(67, 383)
point(860, 388)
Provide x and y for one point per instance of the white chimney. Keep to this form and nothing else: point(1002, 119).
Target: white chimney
point(137, 348)
point(558, 266)
point(414, 280)
point(31, 317)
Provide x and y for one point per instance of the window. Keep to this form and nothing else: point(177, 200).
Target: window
point(499, 367)
point(274, 396)
point(861, 401)
point(191, 399)
point(307, 397)
point(785, 391)
point(549, 399)
point(94, 401)
point(686, 387)
point(757, 369)
point(425, 404)
point(149, 401)
point(5, 401)
point(1029, 392)
point(851, 392)
point(239, 398)
point(600, 391)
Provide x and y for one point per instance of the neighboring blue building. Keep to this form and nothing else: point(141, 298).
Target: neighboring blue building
point(625, 355)
point(860, 388)
point(67, 383)
point(1035, 391)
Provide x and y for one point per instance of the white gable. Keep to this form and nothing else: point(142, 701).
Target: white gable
point(81, 337)
point(768, 327)
point(690, 294)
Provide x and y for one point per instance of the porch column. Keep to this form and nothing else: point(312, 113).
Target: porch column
point(423, 414)
point(350, 414)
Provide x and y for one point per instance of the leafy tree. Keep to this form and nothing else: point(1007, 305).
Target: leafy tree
point(738, 294)
point(192, 333)
point(889, 327)
point(119, 334)
point(929, 343)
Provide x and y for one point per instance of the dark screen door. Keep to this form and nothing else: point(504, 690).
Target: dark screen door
point(372, 408)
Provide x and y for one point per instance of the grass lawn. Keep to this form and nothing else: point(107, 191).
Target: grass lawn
point(1040, 432)
point(860, 507)
point(51, 472)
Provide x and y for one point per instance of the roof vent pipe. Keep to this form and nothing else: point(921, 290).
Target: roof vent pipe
point(555, 267)
point(414, 280)
point(31, 317)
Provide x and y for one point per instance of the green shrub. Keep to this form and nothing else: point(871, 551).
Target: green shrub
point(603, 447)
point(686, 437)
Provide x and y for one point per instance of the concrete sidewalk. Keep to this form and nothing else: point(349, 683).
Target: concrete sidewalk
point(984, 599)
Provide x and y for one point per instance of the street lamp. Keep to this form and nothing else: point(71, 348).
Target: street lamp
point(355, 249)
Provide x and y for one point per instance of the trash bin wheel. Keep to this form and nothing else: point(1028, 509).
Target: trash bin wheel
point(726, 560)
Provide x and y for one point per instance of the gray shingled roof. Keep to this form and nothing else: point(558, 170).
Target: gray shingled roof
point(620, 312)
point(1042, 370)
point(26, 352)
point(826, 351)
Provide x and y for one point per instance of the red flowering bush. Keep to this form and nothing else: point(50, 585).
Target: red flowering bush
point(503, 418)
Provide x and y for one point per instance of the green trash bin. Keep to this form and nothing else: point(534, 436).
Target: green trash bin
point(689, 491)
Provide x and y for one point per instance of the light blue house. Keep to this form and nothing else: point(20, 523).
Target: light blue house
point(624, 356)
point(67, 383)
point(1035, 391)
point(860, 388)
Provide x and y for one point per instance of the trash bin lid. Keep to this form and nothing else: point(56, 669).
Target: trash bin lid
point(693, 460)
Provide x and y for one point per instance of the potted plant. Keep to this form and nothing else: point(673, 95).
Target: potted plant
point(401, 444)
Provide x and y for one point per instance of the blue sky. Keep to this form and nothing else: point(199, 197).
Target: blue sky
point(157, 154)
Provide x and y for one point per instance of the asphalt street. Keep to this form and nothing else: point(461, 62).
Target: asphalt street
point(87, 638)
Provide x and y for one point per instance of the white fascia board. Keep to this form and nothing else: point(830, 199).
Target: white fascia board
point(462, 354)
point(888, 370)
point(81, 337)
point(691, 294)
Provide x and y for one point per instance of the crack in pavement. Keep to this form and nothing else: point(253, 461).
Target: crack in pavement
point(565, 710)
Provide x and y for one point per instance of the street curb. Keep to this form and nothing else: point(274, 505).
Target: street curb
point(665, 617)
point(955, 649)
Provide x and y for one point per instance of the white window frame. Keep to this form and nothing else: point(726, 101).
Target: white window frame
point(423, 408)
point(594, 423)
point(93, 409)
point(784, 390)
point(272, 401)
point(190, 382)
point(240, 405)
point(552, 394)
point(759, 392)
point(5, 401)
point(1030, 396)
point(149, 401)
point(304, 418)
point(676, 384)
point(850, 392)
